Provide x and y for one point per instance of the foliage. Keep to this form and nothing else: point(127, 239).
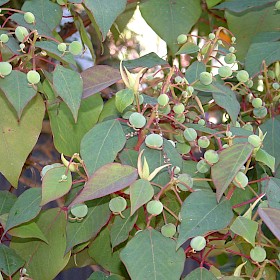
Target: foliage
point(151, 176)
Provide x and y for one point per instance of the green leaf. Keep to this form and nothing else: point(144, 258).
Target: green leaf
point(245, 228)
point(200, 274)
point(101, 144)
point(109, 110)
point(53, 187)
point(105, 13)
point(66, 133)
point(259, 52)
point(10, 262)
point(45, 261)
point(272, 190)
point(180, 15)
point(188, 48)
point(266, 158)
point(266, 37)
point(28, 230)
point(241, 6)
point(99, 275)
point(25, 208)
point(68, 85)
point(194, 70)
point(17, 90)
point(202, 213)
point(121, 228)
point(97, 216)
point(141, 191)
point(7, 200)
point(212, 3)
point(108, 179)
point(129, 157)
point(231, 160)
point(150, 255)
point(124, 98)
point(12, 45)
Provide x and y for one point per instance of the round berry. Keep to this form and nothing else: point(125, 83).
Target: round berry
point(182, 39)
point(190, 134)
point(211, 156)
point(62, 47)
point(190, 90)
point(178, 79)
point(33, 77)
point(203, 142)
point(5, 68)
point(76, 48)
point(220, 42)
point(137, 120)
point(260, 113)
point(154, 207)
point(198, 243)
point(29, 17)
point(211, 36)
point(228, 133)
point(248, 127)
point(205, 78)
point(21, 32)
point(180, 118)
point(165, 110)
point(277, 5)
point(276, 86)
point(230, 58)
point(255, 141)
point(249, 83)
point(233, 40)
point(79, 210)
point(163, 100)
point(154, 141)
point(4, 38)
point(258, 254)
point(186, 179)
point(117, 204)
point(201, 122)
point(242, 76)
point(168, 230)
point(257, 102)
point(232, 49)
point(225, 71)
point(179, 108)
point(240, 180)
point(176, 170)
point(202, 166)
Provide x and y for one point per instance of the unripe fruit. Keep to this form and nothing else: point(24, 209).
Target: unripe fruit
point(21, 32)
point(76, 48)
point(258, 254)
point(190, 134)
point(248, 127)
point(203, 142)
point(277, 5)
point(201, 122)
point(180, 118)
point(176, 170)
point(211, 36)
point(5, 68)
point(168, 230)
point(186, 179)
point(240, 180)
point(29, 17)
point(137, 120)
point(228, 133)
point(154, 207)
point(232, 49)
point(33, 77)
point(260, 113)
point(220, 42)
point(178, 79)
point(62, 47)
point(257, 102)
point(163, 100)
point(4, 38)
point(198, 243)
point(205, 78)
point(225, 71)
point(117, 204)
point(276, 86)
point(249, 83)
point(165, 110)
point(211, 156)
point(242, 76)
point(79, 210)
point(182, 39)
point(230, 58)
point(202, 166)
point(255, 141)
point(154, 141)
point(179, 108)
point(233, 39)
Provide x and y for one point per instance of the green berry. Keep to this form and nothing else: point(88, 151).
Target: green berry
point(220, 42)
point(178, 79)
point(260, 113)
point(198, 243)
point(203, 142)
point(205, 78)
point(232, 49)
point(228, 133)
point(21, 32)
point(29, 17)
point(179, 108)
point(165, 110)
point(249, 83)
point(76, 48)
point(190, 134)
point(168, 230)
point(257, 102)
point(180, 118)
point(276, 86)
point(117, 204)
point(277, 5)
point(4, 38)
point(79, 210)
point(225, 71)
point(230, 58)
point(33, 77)
point(258, 254)
point(248, 127)
point(137, 120)
point(62, 47)
point(5, 68)
point(240, 180)
point(176, 170)
point(186, 179)
point(202, 166)
point(183, 148)
point(189, 90)
point(260, 77)
point(233, 39)
point(154, 207)
point(211, 156)
point(201, 122)
point(163, 100)
point(154, 141)
point(255, 141)
point(242, 76)
point(182, 39)
point(211, 36)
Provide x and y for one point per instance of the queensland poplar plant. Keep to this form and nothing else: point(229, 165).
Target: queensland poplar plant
point(181, 164)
